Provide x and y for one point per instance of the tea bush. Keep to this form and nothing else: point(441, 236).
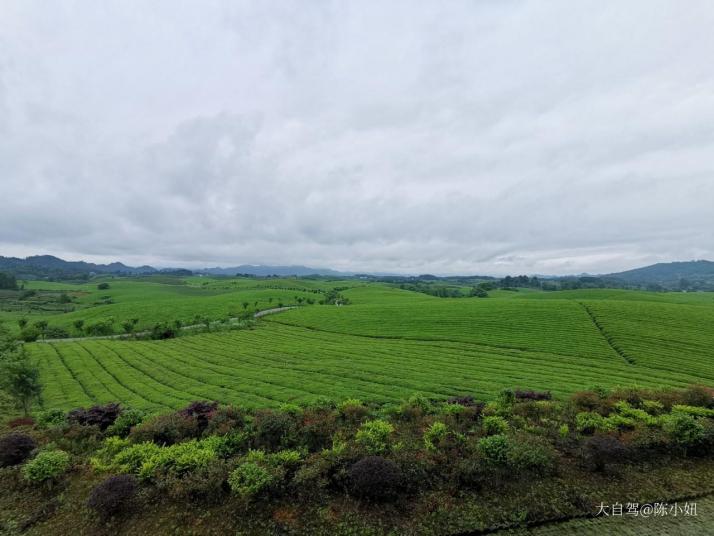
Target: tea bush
point(15, 448)
point(373, 436)
point(46, 466)
point(113, 496)
point(374, 479)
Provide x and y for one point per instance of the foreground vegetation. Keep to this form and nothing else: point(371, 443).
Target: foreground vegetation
point(421, 466)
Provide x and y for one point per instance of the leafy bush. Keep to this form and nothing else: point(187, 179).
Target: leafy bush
point(454, 410)
point(15, 448)
point(590, 422)
point(532, 395)
point(694, 411)
point(698, 395)
point(113, 496)
point(531, 454)
point(250, 479)
point(51, 417)
point(494, 425)
point(635, 414)
point(313, 475)
point(435, 435)
point(54, 332)
point(373, 436)
point(620, 422)
point(274, 429)
point(205, 483)
point(684, 430)
point(163, 331)
point(586, 400)
point(506, 398)
point(100, 328)
point(30, 334)
point(103, 286)
point(563, 431)
point(317, 427)
point(226, 419)
point(127, 419)
point(46, 466)
point(353, 410)
point(201, 411)
point(494, 449)
point(374, 479)
point(101, 416)
point(148, 460)
point(416, 405)
point(653, 407)
point(599, 450)
point(165, 429)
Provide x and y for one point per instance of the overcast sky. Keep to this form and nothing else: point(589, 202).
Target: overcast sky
point(492, 136)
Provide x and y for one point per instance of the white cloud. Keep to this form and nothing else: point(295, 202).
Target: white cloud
point(495, 137)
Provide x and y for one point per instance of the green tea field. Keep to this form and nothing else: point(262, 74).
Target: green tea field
point(386, 344)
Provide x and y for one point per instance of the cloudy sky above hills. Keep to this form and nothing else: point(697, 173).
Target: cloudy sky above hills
point(493, 136)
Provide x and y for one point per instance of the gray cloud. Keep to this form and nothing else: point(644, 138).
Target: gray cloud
point(500, 137)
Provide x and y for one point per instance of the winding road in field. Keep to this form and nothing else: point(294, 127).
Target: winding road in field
point(257, 314)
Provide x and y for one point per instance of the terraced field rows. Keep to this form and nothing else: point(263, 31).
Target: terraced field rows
point(277, 363)
point(558, 327)
point(662, 336)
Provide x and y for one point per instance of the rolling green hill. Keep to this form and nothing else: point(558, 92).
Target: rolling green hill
point(387, 344)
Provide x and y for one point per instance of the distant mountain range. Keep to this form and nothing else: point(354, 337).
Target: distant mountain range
point(48, 266)
point(691, 275)
point(259, 270)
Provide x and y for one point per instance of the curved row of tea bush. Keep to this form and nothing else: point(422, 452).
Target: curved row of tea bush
point(275, 364)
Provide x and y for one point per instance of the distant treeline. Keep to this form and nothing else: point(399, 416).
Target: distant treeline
point(8, 281)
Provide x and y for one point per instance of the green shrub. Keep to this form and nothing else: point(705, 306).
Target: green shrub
point(132, 458)
point(435, 436)
point(640, 415)
point(314, 474)
point(698, 395)
point(620, 422)
point(684, 430)
point(104, 457)
point(454, 410)
point(285, 458)
point(494, 449)
point(274, 430)
point(590, 422)
point(373, 436)
point(317, 427)
point(291, 409)
point(165, 429)
point(494, 425)
point(127, 419)
point(506, 398)
point(46, 466)
point(250, 479)
point(226, 420)
point(531, 454)
point(653, 407)
point(694, 411)
point(353, 410)
point(564, 431)
point(30, 334)
point(205, 483)
point(51, 417)
point(415, 406)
